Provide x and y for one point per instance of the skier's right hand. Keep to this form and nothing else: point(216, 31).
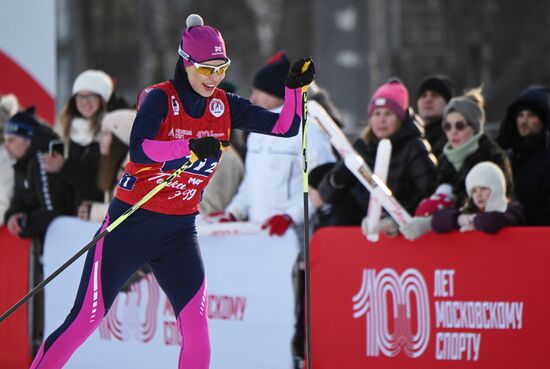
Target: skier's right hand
point(205, 147)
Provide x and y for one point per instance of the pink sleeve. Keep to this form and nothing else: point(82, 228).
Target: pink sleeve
point(161, 151)
point(292, 106)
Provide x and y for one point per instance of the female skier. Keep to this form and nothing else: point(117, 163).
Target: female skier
point(187, 113)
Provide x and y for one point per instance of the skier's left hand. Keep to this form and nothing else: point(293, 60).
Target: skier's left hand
point(296, 78)
point(278, 224)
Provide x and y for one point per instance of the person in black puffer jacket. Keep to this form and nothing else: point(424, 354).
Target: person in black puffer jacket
point(525, 136)
point(412, 166)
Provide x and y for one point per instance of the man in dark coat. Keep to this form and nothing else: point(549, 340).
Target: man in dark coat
point(37, 199)
point(433, 95)
point(525, 136)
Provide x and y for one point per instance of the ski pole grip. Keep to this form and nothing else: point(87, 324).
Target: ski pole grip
point(305, 66)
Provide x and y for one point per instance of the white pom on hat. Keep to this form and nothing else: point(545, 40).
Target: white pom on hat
point(10, 104)
point(119, 122)
point(194, 20)
point(95, 81)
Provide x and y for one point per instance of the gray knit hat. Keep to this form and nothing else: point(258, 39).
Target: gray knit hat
point(469, 109)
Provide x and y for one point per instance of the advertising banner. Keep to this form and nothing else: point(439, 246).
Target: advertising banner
point(467, 300)
point(250, 302)
point(15, 351)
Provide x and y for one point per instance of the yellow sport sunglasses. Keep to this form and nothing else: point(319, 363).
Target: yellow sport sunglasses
point(205, 69)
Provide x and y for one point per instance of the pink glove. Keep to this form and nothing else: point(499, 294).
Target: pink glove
point(278, 224)
point(430, 205)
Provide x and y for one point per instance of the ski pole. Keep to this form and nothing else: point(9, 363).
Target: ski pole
point(105, 232)
point(306, 218)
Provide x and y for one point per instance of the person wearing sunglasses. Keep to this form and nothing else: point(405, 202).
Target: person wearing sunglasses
point(187, 114)
point(467, 145)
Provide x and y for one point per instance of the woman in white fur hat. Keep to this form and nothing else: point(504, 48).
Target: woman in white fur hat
point(488, 209)
point(79, 124)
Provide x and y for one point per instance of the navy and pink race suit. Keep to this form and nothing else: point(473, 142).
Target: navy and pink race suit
point(162, 232)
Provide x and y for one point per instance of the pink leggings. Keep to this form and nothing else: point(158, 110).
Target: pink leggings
point(169, 245)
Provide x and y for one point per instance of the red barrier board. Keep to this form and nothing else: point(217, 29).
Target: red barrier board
point(14, 271)
point(467, 300)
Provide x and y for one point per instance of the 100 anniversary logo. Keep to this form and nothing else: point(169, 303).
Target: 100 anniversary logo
point(397, 315)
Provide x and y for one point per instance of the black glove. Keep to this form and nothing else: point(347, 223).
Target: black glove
point(297, 79)
point(205, 147)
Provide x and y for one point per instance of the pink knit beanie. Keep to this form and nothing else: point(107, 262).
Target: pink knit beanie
point(201, 42)
point(393, 96)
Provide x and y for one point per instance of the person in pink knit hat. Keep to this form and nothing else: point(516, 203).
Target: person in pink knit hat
point(412, 167)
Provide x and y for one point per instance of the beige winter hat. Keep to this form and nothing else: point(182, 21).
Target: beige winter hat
point(119, 122)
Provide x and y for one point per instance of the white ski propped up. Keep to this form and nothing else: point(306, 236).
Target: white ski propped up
point(381, 168)
point(355, 163)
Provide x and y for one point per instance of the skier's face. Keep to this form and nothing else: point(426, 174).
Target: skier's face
point(457, 129)
point(384, 123)
point(480, 196)
point(204, 84)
